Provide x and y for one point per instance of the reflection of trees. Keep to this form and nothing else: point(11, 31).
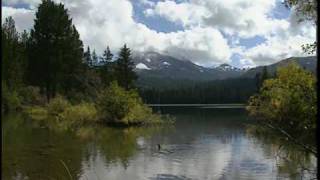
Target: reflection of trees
point(36, 153)
point(292, 160)
point(34, 150)
point(119, 145)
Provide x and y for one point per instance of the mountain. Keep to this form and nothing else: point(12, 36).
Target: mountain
point(153, 67)
point(309, 63)
point(158, 70)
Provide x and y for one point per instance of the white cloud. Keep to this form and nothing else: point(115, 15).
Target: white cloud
point(183, 13)
point(23, 17)
point(101, 23)
point(277, 48)
point(243, 17)
point(283, 43)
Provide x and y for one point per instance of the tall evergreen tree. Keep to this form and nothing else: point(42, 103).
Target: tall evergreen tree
point(107, 56)
point(124, 69)
point(13, 52)
point(106, 71)
point(261, 77)
point(94, 59)
point(87, 57)
point(265, 74)
point(56, 51)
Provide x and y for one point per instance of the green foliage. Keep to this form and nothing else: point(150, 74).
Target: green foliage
point(124, 69)
point(10, 99)
point(36, 112)
point(261, 77)
point(13, 55)
point(80, 114)
point(31, 96)
point(184, 92)
point(289, 101)
point(106, 70)
point(55, 50)
point(116, 105)
point(94, 58)
point(309, 48)
point(87, 57)
point(57, 105)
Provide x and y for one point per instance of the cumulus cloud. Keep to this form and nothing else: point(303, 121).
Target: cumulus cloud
point(23, 17)
point(101, 23)
point(186, 14)
point(207, 26)
point(242, 17)
point(283, 43)
point(277, 48)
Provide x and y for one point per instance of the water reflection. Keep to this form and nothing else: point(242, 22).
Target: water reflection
point(203, 144)
point(291, 159)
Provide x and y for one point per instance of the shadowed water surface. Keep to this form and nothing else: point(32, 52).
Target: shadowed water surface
point(204, 143)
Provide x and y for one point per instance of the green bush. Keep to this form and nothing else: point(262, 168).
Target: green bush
point(10, 99)
point(288, 101)
point(31, 96)
point(36, 112)
point(116, 105)
point(81, 114)
point(57, 105)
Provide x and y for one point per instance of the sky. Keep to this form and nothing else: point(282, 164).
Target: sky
point(243, 33)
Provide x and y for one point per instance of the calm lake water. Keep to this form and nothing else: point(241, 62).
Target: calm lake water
point(204, 143)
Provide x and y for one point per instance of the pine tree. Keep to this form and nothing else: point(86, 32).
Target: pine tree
point(107, 56)
point(12, 55)
point(261, 77)
point(124, 69)
point(94, 59)
point(87, 57)
point(56, 52)
point(265, 74)
point(106, 70)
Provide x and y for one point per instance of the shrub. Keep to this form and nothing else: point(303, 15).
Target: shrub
point(77, 115)
point(289, 101)
point(57, 105)
point(10, 99)
point(31, 96)
point(36, 112)
point(116, 105)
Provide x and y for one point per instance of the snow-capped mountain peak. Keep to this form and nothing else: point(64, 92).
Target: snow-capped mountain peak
point(142, 66)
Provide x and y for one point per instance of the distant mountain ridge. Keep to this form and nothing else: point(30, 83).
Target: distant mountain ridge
point(155, 69)
point(309, 63)
point(156, 65)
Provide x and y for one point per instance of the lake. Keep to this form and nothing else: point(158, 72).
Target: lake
point(204, 143)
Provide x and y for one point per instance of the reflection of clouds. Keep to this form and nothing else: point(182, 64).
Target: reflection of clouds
point(197, 161)
point(204, 147)
point(249, 162)
point(237, 158)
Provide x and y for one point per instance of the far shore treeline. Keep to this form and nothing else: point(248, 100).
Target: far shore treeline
point(46, 73)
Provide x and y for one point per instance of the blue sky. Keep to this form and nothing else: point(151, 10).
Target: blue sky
point(208, 32)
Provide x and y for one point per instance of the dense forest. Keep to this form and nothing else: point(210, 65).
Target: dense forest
point(219, 91)
point(233, 90)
